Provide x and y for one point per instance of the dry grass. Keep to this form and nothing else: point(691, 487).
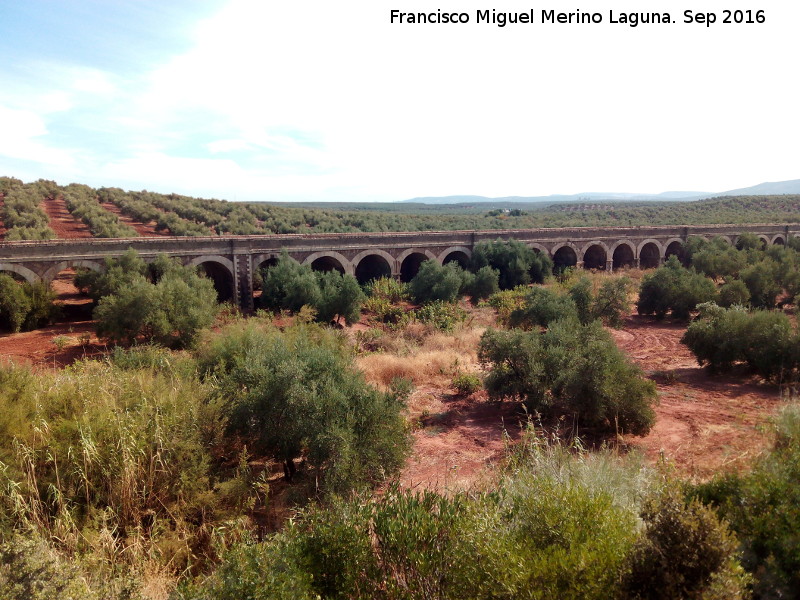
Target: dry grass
point(433, 362)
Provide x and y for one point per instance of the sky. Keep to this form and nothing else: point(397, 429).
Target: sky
point(323, 100)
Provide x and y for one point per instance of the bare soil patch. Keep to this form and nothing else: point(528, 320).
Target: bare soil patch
point(143, 229)
point(457, 440)
point(62, 222)
point(705, 423)
point(38, 349)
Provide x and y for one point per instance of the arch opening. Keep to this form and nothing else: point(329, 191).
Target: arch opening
point(778, 241)
point(649, 256)
point(326, 264)
point(221, 277)
point(410, 266)
point(564, 258)
point(372, 266)
point(623, 257)
point(594, 258)
point(73, 304)
point(764, 242)
point(457, 256)
point(675, 249)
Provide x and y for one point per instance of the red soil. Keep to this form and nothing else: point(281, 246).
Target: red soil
point(704, 423)
point(37, 347)
point(143, 229)
point(456, 448)
point(62, 222)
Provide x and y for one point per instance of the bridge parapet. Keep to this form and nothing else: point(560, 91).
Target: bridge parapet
point(238, 257)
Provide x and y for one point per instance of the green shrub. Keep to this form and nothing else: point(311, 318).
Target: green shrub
point(340, 297)
point(436, 283)
point(170, 312)
point(543, 306)
point(671, 288)
point(764, 340)
point(763, 508)
point(14, 303)
point(569, 369)
point(763, 283)
point(611, 304)
point(484, 284)
point(31, 570)
point(467, 383)
point(289, 285)
point(517, 263)
point(686, 552)
point(718, 258)
point(26, 305)
point(734, 293)
point(384, 311)
point(507, 301)
point(444, 316)
point(388, 288)
point(297, 393)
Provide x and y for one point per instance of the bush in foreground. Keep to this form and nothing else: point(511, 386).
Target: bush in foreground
point(573, 370)
point(297, 394)
point(556, 526)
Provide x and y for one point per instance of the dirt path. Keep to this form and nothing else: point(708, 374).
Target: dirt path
point(143, 229)
point(62, 222)
point(705, 423)
point(457, 440)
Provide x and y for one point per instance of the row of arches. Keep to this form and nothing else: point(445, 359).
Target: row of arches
point(376, 263)
point(373, 264)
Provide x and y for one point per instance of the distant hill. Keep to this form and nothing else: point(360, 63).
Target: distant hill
point(768, 188)
point(762, 189)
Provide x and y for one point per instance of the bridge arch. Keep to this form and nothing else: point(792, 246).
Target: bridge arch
point(650, 253)
point(460, 254)
point(674, 247)
point(54, 270)
point(221, 271)
point(779, 240)
point(595, 255)
point(373, 264)
point(537, 247)
point(764, 241)
point(565, 255)
point(23, 272)
point(623, 254)
point(410, 261)
point(329, 261)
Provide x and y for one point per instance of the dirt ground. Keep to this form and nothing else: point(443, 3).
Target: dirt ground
point(705, 423)
point(62, 222)
point(42, 348)
point(143, 229)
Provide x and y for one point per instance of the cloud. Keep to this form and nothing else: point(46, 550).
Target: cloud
point(22, 134)
point(322, 100)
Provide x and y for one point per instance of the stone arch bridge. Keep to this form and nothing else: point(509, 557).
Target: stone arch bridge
point(232, 260)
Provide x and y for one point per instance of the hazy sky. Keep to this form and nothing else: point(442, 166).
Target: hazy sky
point(326, 100)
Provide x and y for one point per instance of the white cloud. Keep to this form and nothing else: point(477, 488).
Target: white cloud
point(322, 100)
point(22, 133)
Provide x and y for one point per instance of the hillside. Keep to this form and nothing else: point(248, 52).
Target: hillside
point(43, 210)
